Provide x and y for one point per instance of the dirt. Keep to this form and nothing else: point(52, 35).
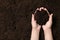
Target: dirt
point(41, 17)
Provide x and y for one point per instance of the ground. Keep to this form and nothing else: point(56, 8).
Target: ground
point(15, 18)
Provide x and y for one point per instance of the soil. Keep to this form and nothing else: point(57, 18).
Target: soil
point(41, 17)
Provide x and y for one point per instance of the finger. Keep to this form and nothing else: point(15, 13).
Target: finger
point(33, 20)
point(41, 8)
point(44, 8)
point(37, 9)
point(50, 17)
point(32, 17)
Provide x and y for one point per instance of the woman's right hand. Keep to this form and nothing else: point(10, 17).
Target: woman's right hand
point(34, 24)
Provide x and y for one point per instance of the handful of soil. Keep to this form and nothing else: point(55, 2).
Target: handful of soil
point(41, 17)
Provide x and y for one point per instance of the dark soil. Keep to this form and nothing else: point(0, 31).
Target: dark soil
point(41, 17)
point(15, 18)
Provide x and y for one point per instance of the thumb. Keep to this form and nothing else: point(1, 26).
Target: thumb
point(39, 26)
point(43, 26)
point(51, 17)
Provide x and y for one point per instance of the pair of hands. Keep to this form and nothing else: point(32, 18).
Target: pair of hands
point(37, 26)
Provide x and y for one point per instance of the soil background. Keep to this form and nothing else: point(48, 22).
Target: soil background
point(15, 18)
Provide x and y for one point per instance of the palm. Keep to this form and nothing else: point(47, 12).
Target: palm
point(34, 24)
point(49, 23)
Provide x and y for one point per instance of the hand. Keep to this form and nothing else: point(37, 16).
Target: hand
point(48, 24)
point(34, 24)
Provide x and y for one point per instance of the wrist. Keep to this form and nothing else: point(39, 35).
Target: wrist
point(35, 30)
point(35, 34)
point(48, 34)
point(47, 30)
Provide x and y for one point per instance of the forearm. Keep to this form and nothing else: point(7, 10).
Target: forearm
point(48, 34)
point(35, 34)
